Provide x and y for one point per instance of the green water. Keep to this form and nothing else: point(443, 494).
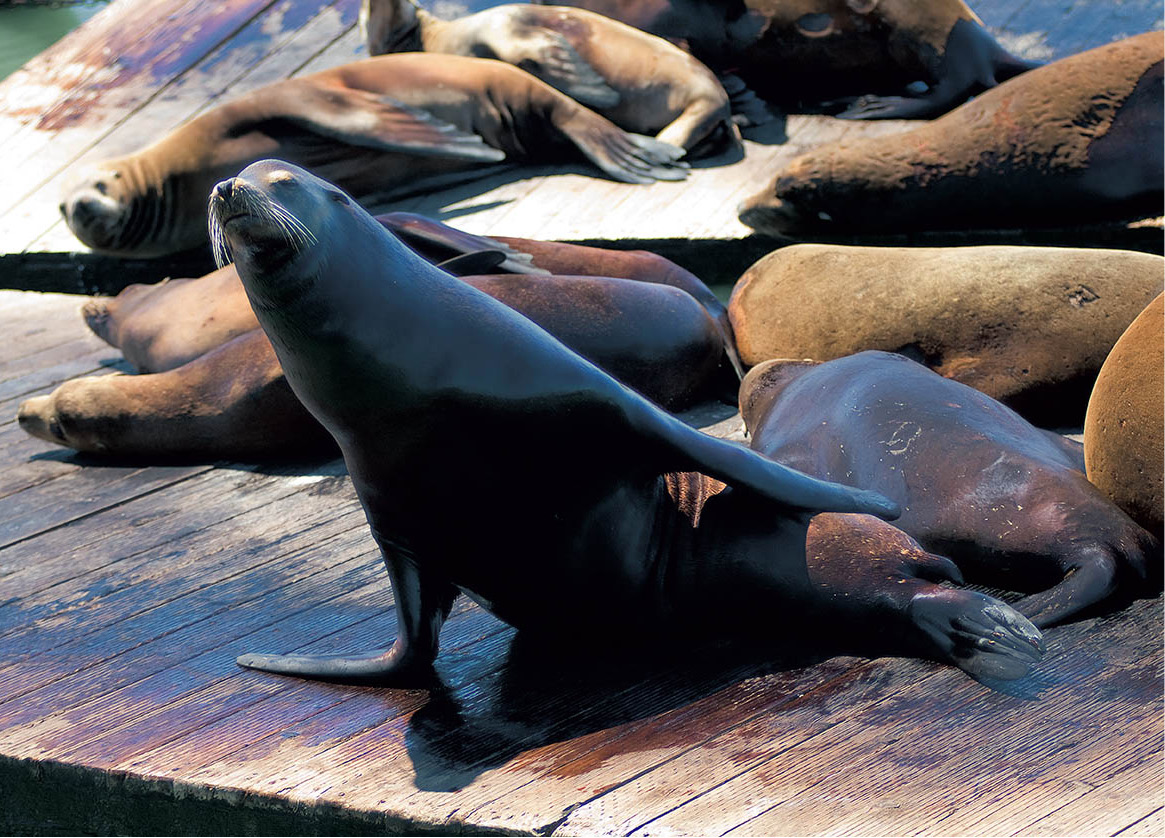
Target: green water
point(27, 30)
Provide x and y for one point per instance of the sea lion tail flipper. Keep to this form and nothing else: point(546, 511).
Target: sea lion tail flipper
point(549, 56)
point(428, 235)
point(979, 634)
point(630, 158)
point(1092, 580)
point(360, 118)
point(746, 469)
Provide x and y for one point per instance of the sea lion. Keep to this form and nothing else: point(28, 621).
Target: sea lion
point(638, 81)
point(1123, 445)
point(1029, 326)
point(1006, 501)
point(460, 404)
point(806, 51)
point(216, 376)
point(1077, 141)
point(370, 125)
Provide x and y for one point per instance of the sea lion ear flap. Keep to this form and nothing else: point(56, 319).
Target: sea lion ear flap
point(764, 383)
point(861, 7)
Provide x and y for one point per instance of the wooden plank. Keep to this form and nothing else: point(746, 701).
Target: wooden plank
point(151, 42)
point(927, 771)
point(271, 47)
point(1151, 825)
point(1110, 808)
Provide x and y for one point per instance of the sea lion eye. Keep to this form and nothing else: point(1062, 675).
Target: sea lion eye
point(814, 24)
point(340, 198)
point(101, 187)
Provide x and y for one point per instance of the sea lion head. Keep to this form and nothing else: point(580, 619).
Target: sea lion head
point(105, 209)
point(764, 384)
point(272, 221)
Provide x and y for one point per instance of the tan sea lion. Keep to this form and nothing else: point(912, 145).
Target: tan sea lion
point(1006, 501)
point(1029, 326)
point(804, 51)
point(1124, 453)
point(1077, 141)
point(370, 125)
point(638, 81)
point(218, 392)
point(443, 400)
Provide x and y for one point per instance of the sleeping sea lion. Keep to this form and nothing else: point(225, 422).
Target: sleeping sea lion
point(638, 81)
point(1077, 141)
point(1123, 429)
point(1029, 326)
point(1006, 501)
point(446, 402)
point(370, 125)
point(806, 51)
point(217, 390)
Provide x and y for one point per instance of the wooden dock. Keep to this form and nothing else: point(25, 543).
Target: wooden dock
point(126, 590)
point(126, 593)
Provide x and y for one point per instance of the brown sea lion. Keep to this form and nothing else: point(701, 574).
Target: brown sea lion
point(370, 125)
point(1008, 502)
point(1124, 453)
point(1077, 141)
point(638, 81)
point(442, 399)
point(803, 51)
point(212, 386)
point(1029, 326)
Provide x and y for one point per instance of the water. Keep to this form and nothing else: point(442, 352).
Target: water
point(28, 30)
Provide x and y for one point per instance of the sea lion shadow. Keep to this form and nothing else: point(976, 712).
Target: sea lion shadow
point(547, 693)
point(773, 132)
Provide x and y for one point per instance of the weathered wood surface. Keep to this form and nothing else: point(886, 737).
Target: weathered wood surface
point(127, 591)
point(141, 67)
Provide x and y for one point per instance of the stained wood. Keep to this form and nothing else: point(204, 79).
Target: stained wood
point(127, 590)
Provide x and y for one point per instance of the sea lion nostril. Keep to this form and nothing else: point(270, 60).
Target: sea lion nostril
point(64, 209)
point(223, 190)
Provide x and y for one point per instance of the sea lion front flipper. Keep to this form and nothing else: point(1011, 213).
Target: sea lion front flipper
point(360, 118)
point(549, 56)
point(422, 604)
point(432, 237)
point(630, 158)
point(980, 635)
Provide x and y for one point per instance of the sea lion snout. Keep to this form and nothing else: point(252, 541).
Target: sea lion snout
point(94, 216)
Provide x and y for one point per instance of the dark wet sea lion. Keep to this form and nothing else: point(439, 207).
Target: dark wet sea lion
point(1008, 502)
point(370, 125)
point(1029, 326)
point(461, 405)
point(638, 81)
point(1123, 446)
point(1074, 142)
point(804, 51)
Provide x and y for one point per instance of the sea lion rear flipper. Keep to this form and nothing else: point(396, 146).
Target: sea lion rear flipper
point(429, 236)
point(745, 469)
point(360, 118)
point(748, 109)
point(549, 56)
point(972, 61)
